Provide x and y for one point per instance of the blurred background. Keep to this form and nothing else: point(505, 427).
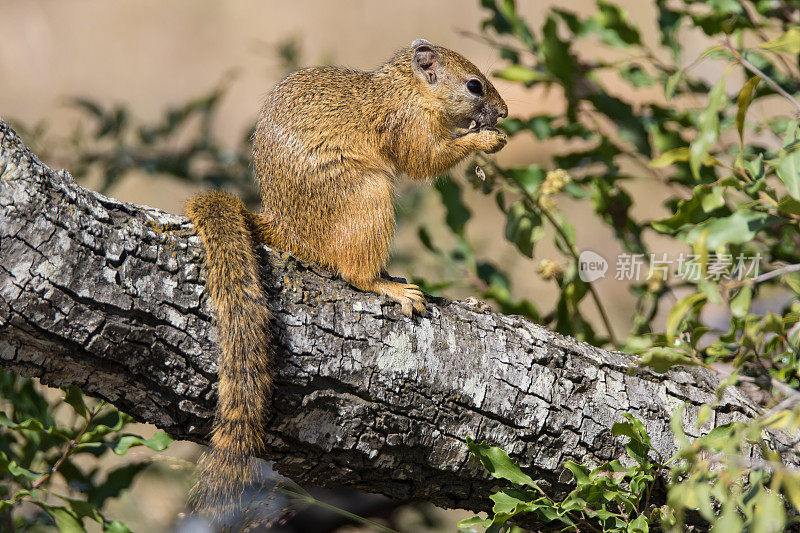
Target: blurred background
point(194, 73)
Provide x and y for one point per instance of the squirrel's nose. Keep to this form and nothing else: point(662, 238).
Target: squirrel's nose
point(503, 113)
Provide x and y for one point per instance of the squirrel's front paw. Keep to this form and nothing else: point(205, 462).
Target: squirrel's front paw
point(490, 140)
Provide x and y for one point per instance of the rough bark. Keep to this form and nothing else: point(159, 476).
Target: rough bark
point(108, 296)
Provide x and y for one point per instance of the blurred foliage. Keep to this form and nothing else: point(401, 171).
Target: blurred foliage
point(715, 137)
point(732, 178)
point(720, 478)
point(43, 443)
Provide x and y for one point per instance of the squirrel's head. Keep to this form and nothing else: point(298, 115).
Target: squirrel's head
point(469, 100)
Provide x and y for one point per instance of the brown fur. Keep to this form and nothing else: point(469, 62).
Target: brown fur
point(328, 147)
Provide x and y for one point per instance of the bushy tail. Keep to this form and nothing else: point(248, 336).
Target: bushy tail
point(227, 230)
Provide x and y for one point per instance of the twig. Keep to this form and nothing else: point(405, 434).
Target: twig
point(777, 384)
point(573, 252)
point(755, 70)
point(788, 269)
point(308, 499)
point(8, 521)
point(748, 9)
point(491, 42)
point(72, 445)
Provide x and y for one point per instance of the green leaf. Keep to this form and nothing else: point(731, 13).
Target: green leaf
point(157, 442)
point(499, 464)
point(639, 525)
point(67, 522)
point(74, 397)
point(740, 304)
point(474, 521)
point(81, 509)
point(788, 167)
point(788, 43)
point(721, 436)
point(522, 74)
point(793, 281)
point(66, 519)
point(672, 84)
point(669, 157)
point(639, 444)
point(789, 206)
point(11, 466)
point(115, 526)
point(523, 227)
point(701, 206)
point(791, 488)
point(557, 56)
point(579, 472)
point(739, 228)
point(637, 77)
point(728, 521)
point(105, 424)
point(769, 515)
point(743, 102)
point(699, 497)
point(630, 126)
point(33, 424)
point(686, 305)
point(457, 213)
point(511, 501)
point(708, 127)
point(756, 167)
point(616, 29)
point(662, 359)
point(117, 480)
point(528, 178)
point(679, 154)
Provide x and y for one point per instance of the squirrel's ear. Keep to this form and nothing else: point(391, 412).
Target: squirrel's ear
point(426, 60)
point(419, 42)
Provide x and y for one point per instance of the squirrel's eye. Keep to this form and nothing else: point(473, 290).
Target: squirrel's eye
point(475, 87)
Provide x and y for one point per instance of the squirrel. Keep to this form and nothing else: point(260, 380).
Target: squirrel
point(328, 148)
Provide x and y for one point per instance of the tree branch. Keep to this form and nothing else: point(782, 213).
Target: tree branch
point(108, 296)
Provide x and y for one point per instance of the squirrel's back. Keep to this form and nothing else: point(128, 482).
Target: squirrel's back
point(328, 146)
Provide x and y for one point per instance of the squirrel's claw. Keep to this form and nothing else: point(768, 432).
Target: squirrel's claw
point(408, 295)
point(416, 298)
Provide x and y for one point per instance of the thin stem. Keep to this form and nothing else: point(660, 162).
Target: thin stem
point(755, 70)
point(573, 252)
point(72, 445)
point(781, 386)
point(752, 15)
point(595, 296)
point(787, 269)
point(585, 521)
point(494, 43)
point(777, 272)
point(649, 491)
point(307, 498)
point(8, 521)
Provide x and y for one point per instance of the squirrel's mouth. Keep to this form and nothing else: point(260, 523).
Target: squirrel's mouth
point(485, 117)
point(475, 124)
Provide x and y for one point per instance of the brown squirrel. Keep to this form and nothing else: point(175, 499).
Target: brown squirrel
point(328, 148)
